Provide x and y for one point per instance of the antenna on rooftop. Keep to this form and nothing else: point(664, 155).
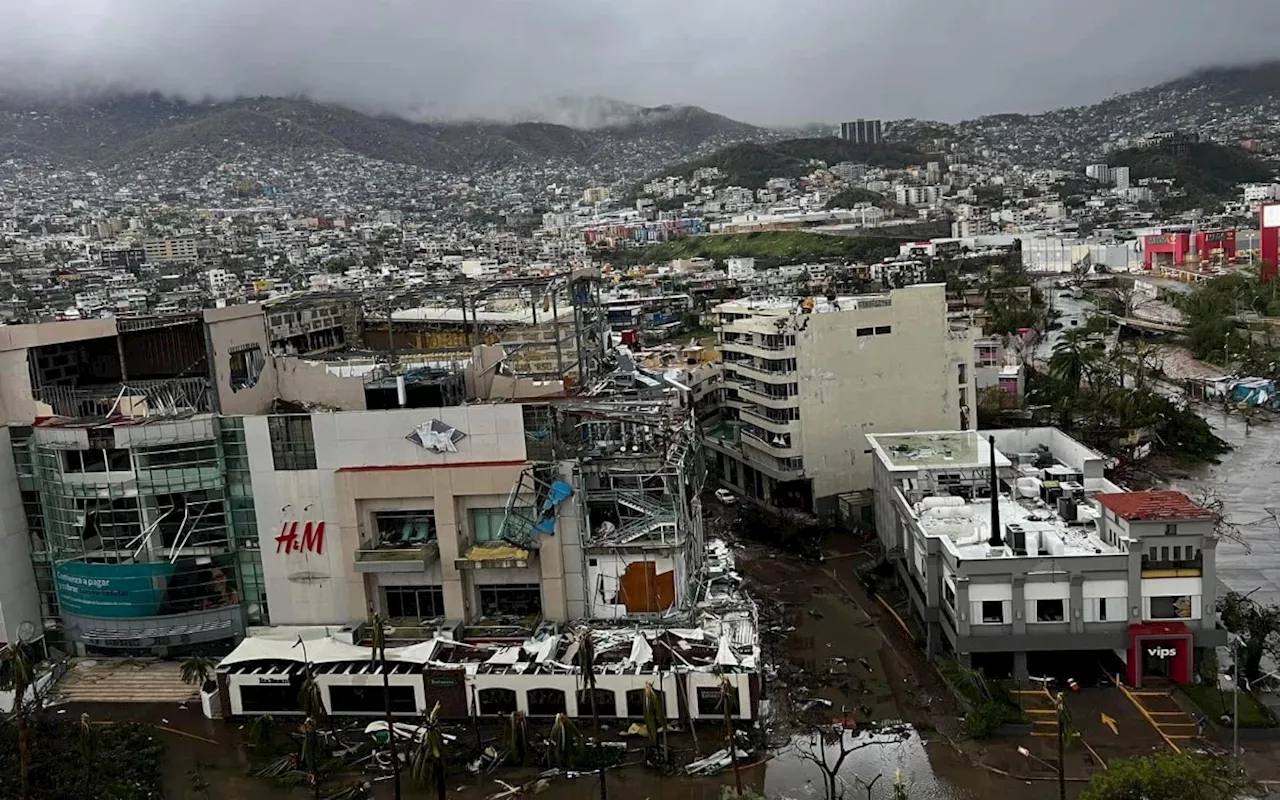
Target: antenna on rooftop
point(995, 540)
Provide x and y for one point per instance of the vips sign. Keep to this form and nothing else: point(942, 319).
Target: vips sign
point(1162, 652)
point(112, 590)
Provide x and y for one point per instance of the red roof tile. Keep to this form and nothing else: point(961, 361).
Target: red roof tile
point(1144, 506)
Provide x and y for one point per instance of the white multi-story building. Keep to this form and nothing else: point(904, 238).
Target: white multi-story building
point(741, 268)
point(807, 379)
point(1063, 572)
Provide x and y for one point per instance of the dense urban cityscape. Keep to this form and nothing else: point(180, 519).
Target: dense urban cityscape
point(352, 456)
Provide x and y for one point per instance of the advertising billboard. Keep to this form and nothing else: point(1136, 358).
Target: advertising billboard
point(112, 590)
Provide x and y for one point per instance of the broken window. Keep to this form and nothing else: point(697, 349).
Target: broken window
point(405, 528)
point(517, 599)
point(293, 443)
point(606, 702)
point(486, 523)
point(712, 700)
point(635, 702)
point(1050, 611)
point(993, 612)
point(546, 702)
point(371, 700)
point(113, 460)
point(413, 602)
point(497, 701)
point(1171, 607)
point(247, 363)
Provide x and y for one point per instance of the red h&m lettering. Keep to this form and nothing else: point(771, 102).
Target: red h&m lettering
point(312, 540)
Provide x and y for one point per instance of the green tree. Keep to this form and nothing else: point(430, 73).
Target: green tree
point(197, 671)
point(1166, 776)
point(1258, 627)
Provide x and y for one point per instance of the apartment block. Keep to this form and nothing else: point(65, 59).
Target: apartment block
point(806, 380)
point(1022, 559)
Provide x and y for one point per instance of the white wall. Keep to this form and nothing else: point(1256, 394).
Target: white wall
point(306, 588)
point(19, 601)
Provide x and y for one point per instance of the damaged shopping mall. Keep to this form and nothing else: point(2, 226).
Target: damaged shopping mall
point(295, 482)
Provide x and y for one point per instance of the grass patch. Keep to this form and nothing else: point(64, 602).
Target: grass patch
point(1214, 703)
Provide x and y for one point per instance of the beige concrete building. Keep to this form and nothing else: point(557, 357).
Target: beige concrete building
point(806, 380)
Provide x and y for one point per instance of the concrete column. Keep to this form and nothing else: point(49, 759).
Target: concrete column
point(455, 586)
point(1135, 585)
point(1208, 582)
point(1019, 606)
point(1020, 671)
point(963, 607)
point(1076, 614)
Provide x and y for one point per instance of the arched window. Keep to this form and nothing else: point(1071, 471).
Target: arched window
point(497, 701)
point(546, 702)
point(635, 702)
point(606, 703)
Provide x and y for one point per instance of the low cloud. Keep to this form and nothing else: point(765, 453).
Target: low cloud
point(764, 61)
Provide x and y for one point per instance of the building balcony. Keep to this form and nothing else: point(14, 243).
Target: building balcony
point(768, 376)
point(751, 414)
point(494, 555)
point(780, 451)
point(768, 400)
point(1191, 568)
point(397, 559)
point(759, 351)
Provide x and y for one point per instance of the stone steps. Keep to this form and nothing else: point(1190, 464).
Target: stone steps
point(123, 681)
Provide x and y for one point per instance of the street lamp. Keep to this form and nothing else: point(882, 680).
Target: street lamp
point(1234, 641)
point(1060, 769)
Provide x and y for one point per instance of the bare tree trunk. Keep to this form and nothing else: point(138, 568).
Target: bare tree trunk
point(391, 731)
point(733, 744)
point(24, 745)
point(595, 721)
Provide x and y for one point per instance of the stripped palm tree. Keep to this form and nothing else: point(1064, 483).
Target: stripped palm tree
point(655, 716)
point(518, 735)
point(585, 660)
point(728, 701)
point(426, 761)
point(17, 675)
point(380, 657)
point(565, 742)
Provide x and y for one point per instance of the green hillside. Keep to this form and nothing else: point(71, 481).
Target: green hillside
point(769, 248)
point(751, 164)
point(1209, 173)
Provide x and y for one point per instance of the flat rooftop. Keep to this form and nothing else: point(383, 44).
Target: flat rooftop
point(939, 449)
point(967, 527)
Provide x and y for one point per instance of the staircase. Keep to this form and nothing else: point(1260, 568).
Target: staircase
point(109, 680)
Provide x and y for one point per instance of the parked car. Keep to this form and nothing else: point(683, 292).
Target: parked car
point(725, 496)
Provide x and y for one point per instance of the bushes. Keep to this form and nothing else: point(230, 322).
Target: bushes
point(71, 759)
point(985, 719)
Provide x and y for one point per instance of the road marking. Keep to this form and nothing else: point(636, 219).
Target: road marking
point(1110, 722)
point(1142, 710)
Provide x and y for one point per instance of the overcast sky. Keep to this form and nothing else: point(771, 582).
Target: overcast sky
point(763, 61)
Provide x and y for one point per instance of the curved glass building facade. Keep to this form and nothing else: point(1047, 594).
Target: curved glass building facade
point(146, 538)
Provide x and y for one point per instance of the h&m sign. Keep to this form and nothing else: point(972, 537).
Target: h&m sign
point(310, 539)
point(1162, 652)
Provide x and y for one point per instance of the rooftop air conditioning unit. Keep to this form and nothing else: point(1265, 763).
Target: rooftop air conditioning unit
point(351, 633)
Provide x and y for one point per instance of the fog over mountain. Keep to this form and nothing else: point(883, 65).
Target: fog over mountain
point(762, 61)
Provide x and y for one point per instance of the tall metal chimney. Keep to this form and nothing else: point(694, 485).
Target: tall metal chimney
point(996, 540)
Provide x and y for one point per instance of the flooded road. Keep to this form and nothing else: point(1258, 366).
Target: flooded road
point(1245, 480)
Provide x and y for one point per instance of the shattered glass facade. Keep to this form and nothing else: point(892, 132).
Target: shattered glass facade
point(143, 532)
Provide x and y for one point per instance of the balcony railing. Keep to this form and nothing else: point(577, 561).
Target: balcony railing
point(1186, 568)
point(769, 423)
point(768, 400)
point(397, 559)
point(781, 451)
point(770, 376)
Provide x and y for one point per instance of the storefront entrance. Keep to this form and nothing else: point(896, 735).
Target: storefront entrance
point(1159, 651)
